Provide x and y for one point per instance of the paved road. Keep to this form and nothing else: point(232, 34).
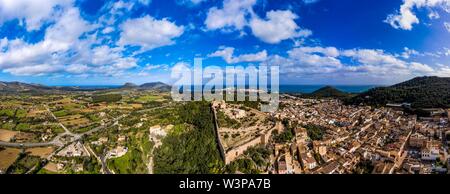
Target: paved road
point(25, 145)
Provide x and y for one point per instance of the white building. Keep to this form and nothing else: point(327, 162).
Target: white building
point(430, 153)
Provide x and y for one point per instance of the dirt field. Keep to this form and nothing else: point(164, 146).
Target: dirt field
point(7, 157)
point(6, 135)
point(136, 105)
point(51, 167)
point(41, 152)
point(80, 121)
point(36, 112)
point(26, 137)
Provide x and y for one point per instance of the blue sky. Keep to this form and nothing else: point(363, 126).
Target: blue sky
point(90, 42)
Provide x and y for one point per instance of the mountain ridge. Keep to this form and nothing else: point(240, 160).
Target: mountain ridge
point(21, 87)
point(420, 92)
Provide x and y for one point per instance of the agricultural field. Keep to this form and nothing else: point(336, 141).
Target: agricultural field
point(8, 156)
point(23, 121)
point(42, 152)
point(124, 137)
point(7, 135)
point(25, 163)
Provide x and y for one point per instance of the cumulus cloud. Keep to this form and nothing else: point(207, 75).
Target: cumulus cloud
point(32, 13)
point(42, 69)
point(279, 26)
point(102, 55)
point(232, 15)
point(149, 33)
point(58, 39)
point(374, 57)
point(323, 62)
point(315, 57)
point(77, 68)
point(67, 47)
point(421, 68)
point(227, 54)
point(327, 51)
point(405, 18)
point(125, 63)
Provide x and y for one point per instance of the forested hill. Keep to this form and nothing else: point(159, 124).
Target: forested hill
point(327, 92)
point(421, 92)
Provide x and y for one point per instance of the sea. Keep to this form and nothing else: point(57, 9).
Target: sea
point(312, 88)
point(283, 88)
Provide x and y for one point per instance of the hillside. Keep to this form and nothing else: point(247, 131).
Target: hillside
point(159, 86)
point(327, 92)
point(421, 92)
point(129, 85)
point(19, 87)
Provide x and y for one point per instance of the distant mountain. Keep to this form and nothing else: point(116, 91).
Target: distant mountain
point(19, 87)
point(129, 85)
point(421, 92)
point(159, 86)
point(327, 92)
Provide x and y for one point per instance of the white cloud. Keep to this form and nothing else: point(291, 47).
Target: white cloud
point(406, 18)
point(447, 26)
point(232, 15)
point(66, 47)
point(125, 63)
point(3, 43)
point(227, 54)
point(327, 51)
point(326, 63)
point(409, 52)
point(34, 13)
point(279, 26)
point(374, 57)
point(33, 70)
point(59, 38)
point(434, 15)
point(150, 67)
point(420, 68)
point(315, 57)
point(105, 55)
point(190, 2)
point(77, 68)
point(108, 30)
point(446, 51)
point(149, 33)
point(145, 2)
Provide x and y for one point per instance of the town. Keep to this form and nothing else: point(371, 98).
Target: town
point(330, 137)
point(324, 136)
point(134, 131)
